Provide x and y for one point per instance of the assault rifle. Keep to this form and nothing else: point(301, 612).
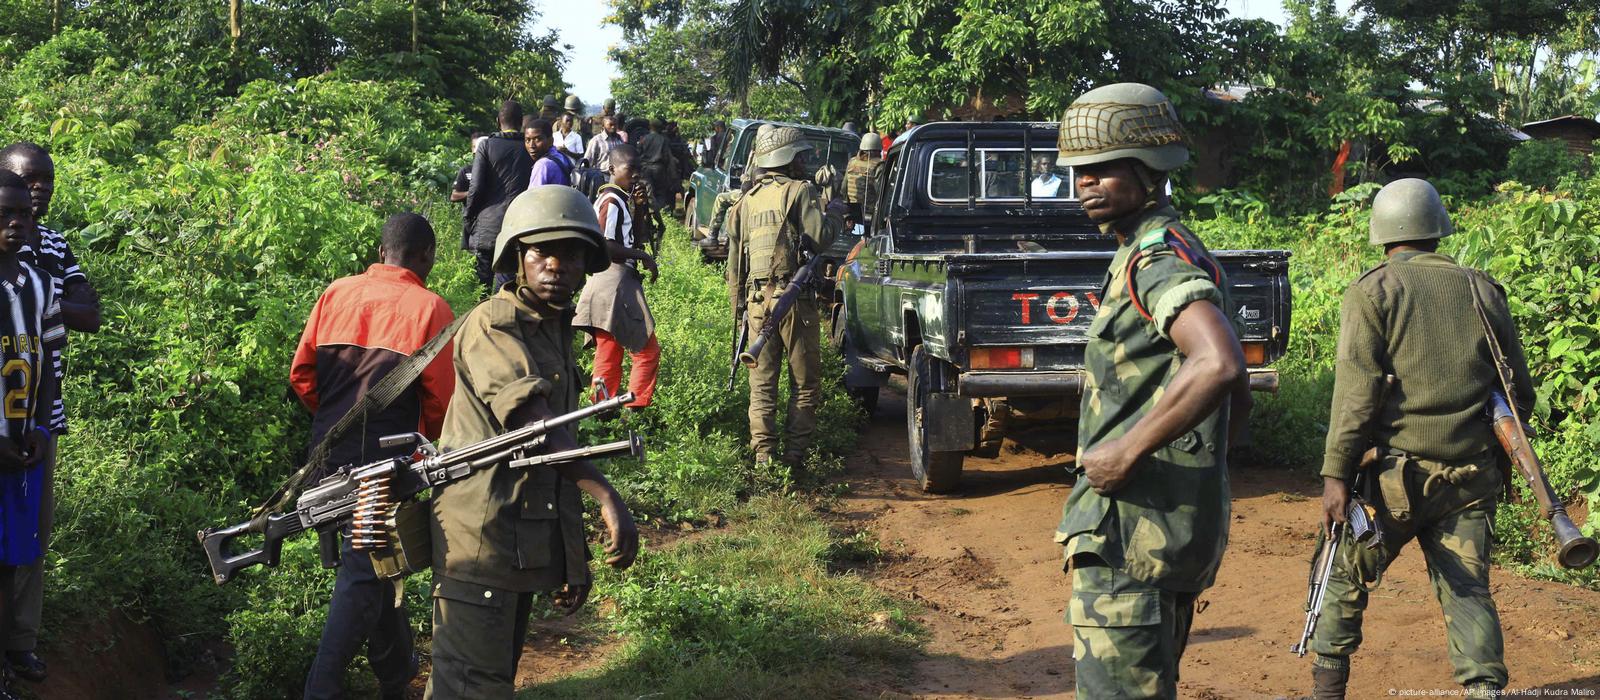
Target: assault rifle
point(1575, 551)
point(364, 493)
point(1360, 521)
point(741, 335)
point(797, 285)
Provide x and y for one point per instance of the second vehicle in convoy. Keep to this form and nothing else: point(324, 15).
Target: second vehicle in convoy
point(979, 279)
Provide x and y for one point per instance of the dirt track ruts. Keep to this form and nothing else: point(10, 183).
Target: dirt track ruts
point(982, 564)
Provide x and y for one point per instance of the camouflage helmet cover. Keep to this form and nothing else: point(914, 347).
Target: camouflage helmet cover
point(547, 213)
point(871, 142)
point(779, 147)
point(1123, 120)
point(574, 104)
point(1408, 210)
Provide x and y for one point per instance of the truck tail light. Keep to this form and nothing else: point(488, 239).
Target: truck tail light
point(1255, 353)
point(1001, 358)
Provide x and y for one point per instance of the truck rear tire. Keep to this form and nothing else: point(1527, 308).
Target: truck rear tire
point(691, 218)
point(937, 472)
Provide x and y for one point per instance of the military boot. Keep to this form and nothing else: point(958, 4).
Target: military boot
point(1329, 675)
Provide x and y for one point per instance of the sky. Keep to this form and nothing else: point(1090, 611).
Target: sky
point(580, 23)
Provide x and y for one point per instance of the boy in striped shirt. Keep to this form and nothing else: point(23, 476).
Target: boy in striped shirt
point(48, 252)
point(26, 378)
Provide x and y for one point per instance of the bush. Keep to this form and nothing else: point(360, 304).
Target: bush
point(1544, 248)
point(1545, 163)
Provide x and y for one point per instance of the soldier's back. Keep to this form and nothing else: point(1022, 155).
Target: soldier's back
point(1422, 307)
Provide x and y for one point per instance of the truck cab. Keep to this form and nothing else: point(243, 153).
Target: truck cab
point(978, 280)
point(724, 171)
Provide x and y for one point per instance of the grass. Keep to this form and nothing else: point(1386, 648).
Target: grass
point(755, 610)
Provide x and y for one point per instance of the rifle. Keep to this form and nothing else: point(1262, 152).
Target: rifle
point(1576, 551)
point(1360, 521)
point(367, 494)
point(1363, 529)
point(740, 336)
point(797, 286)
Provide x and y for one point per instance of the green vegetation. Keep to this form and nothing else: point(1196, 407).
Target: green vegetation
point(750, 611)
point(1543, 247)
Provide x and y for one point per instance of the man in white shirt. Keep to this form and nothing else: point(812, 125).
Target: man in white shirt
point(568, 139)
point(1045, 182)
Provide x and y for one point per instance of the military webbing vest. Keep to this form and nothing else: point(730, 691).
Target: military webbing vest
point(769, 238)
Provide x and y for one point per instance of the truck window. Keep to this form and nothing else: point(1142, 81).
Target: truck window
point(1003, 173)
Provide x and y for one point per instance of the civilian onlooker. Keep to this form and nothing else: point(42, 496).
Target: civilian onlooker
point(500, 171)
point(568, 138)
point(30, 302)
point(78, 310)
point(360, 329)
point(598, 152)
point(550, 166)
point(612, 306)
point(463, 184)
point(660, 168)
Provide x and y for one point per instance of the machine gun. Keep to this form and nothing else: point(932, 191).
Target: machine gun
point(368, 494)
point(797, 285)
point(1575, 551)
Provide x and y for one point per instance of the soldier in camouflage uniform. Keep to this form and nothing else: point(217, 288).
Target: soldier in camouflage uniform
point(1439, 472)
point(861, 178)
point(502, 535)
point(726, 200)
point(1146, 524)
point(771, 232)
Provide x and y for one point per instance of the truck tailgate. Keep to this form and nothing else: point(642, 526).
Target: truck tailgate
point(1046, 301)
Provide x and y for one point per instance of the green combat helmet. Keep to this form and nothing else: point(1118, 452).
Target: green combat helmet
point(779, 147)
point(1124, 120)
point(548, 213)
point(610, 105)
point(871, 142)
point(1408, 210)
point(574, 104)
point(550, 102)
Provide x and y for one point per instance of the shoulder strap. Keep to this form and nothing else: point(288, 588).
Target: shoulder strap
point(1501, 365)
point(377, 398)
point(1172, 238)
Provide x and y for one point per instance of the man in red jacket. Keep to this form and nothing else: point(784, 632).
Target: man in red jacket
point(361, 327)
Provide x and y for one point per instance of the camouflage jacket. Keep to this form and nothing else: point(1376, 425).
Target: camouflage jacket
point(1169, 525)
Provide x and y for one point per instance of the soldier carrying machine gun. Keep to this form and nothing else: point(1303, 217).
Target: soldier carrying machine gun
point(371, 494)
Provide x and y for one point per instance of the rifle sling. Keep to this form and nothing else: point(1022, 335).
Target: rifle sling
point(1502, 370)
point(378, 398)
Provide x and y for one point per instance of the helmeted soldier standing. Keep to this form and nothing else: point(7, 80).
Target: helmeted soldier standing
point(502, 535)
point(861, 178)
point(726, 200)
point(772, 230)
point(1146, 523)
point(1439, 470)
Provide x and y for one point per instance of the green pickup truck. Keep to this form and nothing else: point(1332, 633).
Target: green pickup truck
point(978, 282)
point(723, 171)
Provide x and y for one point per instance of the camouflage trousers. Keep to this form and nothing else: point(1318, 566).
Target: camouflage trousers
point(1449, 509)
point(1127, 636)
point(798, 343)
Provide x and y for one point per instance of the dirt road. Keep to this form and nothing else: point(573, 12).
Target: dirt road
point(983, 566)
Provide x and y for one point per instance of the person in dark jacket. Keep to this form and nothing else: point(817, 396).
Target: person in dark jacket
point(500, 171)
point(660, 168)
